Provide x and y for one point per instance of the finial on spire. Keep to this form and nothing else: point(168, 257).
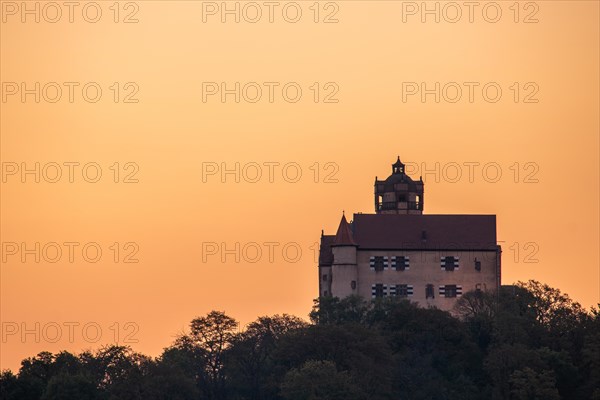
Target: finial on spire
point(343, 236)
point(398, 167)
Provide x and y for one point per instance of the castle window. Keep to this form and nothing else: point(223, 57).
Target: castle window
point(477, 265)
point(378, 290)
point(325, 293)
point(401, 290)
point(324, 277)
point(400, 263)
point(378, 263)
point(429, 293)
point(449, 263)
point(450, 290)
point(353, 285)
point(402, 198)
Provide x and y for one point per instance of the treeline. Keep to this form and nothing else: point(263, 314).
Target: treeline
point(528, 341)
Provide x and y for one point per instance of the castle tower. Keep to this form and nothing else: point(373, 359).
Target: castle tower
point(344, 270)
point(399, 194)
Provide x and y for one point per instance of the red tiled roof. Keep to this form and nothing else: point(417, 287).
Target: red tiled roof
point(344, 236)
point(413, 232)
point(391, 231)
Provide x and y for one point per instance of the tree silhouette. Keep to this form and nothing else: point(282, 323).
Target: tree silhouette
point(527, 341)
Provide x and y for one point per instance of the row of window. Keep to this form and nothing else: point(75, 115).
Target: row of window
point(404, 290)
point(399, 263)
point(402, 263)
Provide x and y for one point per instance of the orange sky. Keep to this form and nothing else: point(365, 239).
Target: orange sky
point(549, 211)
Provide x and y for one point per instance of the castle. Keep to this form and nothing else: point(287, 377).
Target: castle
point(399, 251)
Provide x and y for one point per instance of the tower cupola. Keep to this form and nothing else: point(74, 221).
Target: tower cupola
point(398, 167)
point(399, 193)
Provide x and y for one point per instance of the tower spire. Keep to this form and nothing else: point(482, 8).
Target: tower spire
point(344, 236)
point(398, 167)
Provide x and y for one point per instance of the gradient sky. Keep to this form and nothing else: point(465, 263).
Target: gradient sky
point(547, 212)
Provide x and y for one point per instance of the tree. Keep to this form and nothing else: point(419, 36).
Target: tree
point(477, 304)
point(319, 380)
point(9, 386)
point(527, 384)
point(513, 367)
point(34, 375)
point(433, 350)
point(249, 359)
point(528, 341)
point(211, 335)
point(66, 363)
point(478, 309)
point(70, 387)
point(122, 372)
point(562, 319)
point(590, 363)
point(333, 310)
point(553, 309)
point(356, 349)
point(173, 376)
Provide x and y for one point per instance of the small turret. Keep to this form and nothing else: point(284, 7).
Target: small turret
point(344, 266)
point(344, 236)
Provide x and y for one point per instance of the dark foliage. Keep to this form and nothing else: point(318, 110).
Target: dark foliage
point(528, 341)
